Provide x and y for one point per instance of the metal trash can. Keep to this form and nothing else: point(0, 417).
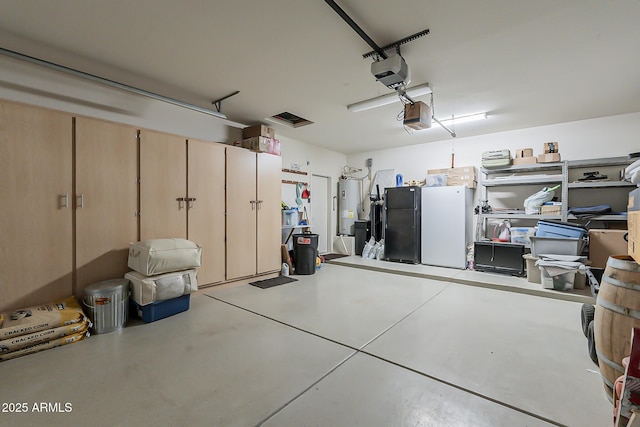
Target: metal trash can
point(107, 304)
point(305, 252)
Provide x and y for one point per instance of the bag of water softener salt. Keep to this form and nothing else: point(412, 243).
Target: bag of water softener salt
point(368, 247)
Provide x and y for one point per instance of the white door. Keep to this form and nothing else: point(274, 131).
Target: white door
point(320, 193)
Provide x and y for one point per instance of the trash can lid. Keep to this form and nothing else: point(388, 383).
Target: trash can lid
point(108, 286)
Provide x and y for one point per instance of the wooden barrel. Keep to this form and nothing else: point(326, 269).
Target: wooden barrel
point(617, 313)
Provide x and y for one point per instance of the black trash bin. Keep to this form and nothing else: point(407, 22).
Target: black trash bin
point(305, 252)
point(363, 233)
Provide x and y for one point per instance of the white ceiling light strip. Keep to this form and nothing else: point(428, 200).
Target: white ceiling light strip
point(379, 101)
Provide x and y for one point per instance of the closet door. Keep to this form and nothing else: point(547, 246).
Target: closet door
point(241, 213)
point(35, 188)
point(106, 199)
point(163, 180)
point(206, 225)
point(269, 212)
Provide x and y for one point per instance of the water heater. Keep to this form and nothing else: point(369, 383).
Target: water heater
point(348, 205)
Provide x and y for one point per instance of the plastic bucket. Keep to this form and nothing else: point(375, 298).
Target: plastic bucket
point(107, 304)
point(617, 313)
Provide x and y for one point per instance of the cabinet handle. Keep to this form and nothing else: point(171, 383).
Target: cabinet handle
point(63, 201)
point(253, 204)
point(334, 202)
point(190, 200)
point(80, 201)
point(259, 203)
point(180, 201)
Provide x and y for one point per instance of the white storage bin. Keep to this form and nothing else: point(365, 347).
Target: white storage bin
point(556, 246)
point(522, 235)
point(157, 256)
point(560, 282)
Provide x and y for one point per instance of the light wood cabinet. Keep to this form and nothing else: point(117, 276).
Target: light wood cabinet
point(182, 195)
point(163, 186)
point(205, 207)
point(253, 213)
point(35, 188)
point(269, 212)
point(106, 199)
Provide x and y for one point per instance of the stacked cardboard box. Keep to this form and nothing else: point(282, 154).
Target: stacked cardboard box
point(524, 156)
point(261, 139)
point(462, 175)
point(551, 153)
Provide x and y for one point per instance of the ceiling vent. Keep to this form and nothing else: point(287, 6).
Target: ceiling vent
point(289, 119)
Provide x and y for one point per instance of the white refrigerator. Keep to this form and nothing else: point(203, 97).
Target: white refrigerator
point(447, 225)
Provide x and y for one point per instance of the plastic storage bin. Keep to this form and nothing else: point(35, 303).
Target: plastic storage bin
point(561, 282)
point(522, 235)
point(290, 217)
point(556, 246)
point(560, 229)
point(161, 309)
point(533, 271)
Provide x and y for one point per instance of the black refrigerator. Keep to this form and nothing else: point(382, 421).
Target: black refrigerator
point(402, 231)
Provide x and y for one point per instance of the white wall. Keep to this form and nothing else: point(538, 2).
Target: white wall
point(36, 85)
point(313, 160)
point(586, 139)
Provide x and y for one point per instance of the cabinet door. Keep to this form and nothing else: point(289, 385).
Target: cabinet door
point(206, 224)
point(241, 213)
point(163, 180)
point(106, 199)
point(36, 257)
point(269, 212)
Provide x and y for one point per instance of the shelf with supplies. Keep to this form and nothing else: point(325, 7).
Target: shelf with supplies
point(574, 176)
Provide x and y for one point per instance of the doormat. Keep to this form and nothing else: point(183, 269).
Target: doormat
point(329, 257)
point(270, 283)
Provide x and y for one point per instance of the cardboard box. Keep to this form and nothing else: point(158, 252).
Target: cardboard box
point(633, 222)
point(528, 160)
point(551, 147)
point(604, 243)
point(460, 171)
point(548, 158)
point(258, 130)
point(259, 144)
point(550, 209)
point(470, 183)
point(417, 115)
point(524, 152)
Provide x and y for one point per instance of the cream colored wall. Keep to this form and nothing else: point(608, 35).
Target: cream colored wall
point(586, 139)
point(314, 160)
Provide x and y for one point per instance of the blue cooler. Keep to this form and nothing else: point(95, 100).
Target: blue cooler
point(560, 229)
point(160, 309)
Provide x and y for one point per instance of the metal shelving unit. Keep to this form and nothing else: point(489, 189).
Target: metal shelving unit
point(548, 174)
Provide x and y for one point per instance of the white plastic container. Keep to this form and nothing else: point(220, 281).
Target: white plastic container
point(290, 217)
point(561, 282)
point(556, 246)
point(522, 235)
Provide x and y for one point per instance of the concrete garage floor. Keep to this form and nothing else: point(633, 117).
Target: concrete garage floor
point(343, 347)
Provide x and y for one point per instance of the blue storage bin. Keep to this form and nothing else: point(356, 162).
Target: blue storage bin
point(161, 309)
point(560, 229)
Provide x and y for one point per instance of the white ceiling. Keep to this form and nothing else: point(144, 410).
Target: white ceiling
point(526, 63)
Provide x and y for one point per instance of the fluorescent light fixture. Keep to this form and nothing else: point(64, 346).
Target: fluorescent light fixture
point(413, 92)
point(463, 119)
